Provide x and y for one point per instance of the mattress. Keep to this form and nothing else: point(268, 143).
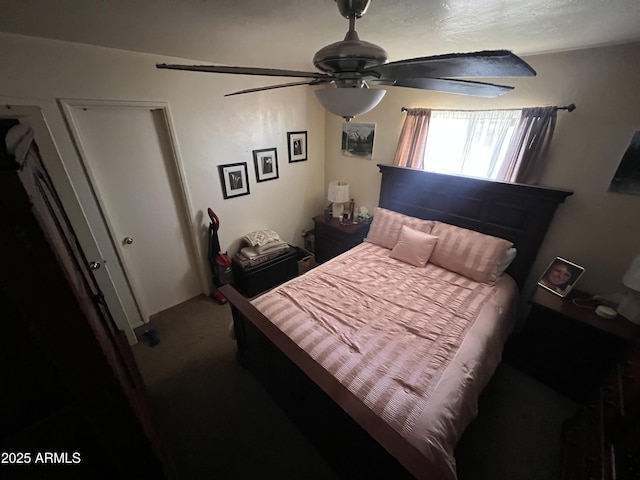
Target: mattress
point(416, 345)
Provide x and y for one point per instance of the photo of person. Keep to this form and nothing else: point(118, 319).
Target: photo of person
point(297, 147)
point(560, 276)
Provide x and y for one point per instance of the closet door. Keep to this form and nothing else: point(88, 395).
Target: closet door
point(95, 402)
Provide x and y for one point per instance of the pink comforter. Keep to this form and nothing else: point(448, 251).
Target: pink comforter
point(416, 345)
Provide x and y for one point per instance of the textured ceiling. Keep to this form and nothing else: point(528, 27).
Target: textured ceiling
point(286, 33)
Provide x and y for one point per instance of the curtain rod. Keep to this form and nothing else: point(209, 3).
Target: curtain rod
point(570, 108)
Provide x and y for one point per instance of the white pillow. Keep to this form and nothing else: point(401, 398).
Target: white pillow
point(506, 261)
point(413, 247)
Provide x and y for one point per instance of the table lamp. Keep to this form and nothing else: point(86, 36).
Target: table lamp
point(338, 195)
point(630, 305)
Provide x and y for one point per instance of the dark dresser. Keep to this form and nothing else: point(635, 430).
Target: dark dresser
point(332, 238)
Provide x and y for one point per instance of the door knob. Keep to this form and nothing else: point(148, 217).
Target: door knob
point(94, 265)
point(127, 241)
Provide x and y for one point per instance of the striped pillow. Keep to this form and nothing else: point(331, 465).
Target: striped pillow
point(386, 225)
point(467, 252)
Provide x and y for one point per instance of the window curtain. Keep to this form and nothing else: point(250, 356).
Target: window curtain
point(413, 139)
point(527, 154)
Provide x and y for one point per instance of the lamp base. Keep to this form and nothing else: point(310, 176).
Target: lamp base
point(338, 210)
point(630, 308)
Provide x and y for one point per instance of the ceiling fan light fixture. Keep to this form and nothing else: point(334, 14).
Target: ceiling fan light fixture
point(349, 102)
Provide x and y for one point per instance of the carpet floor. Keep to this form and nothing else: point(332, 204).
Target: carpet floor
point(218, 422)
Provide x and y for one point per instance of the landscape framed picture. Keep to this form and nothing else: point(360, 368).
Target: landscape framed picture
point(357, 139)
point(266, 163)
point(297, 146)
point(234, 179)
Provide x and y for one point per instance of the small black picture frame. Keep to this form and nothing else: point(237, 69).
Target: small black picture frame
point(297, 142)
point(560, 276)
point(234, 179)
point(266, 164)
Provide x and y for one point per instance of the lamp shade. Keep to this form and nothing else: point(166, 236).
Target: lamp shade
point(338, 192)
point(631, 279)
point(349, 102)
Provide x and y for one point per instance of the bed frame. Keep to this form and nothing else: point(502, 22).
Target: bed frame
point(356, 442)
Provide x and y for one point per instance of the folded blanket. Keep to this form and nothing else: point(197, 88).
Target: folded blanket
point(264, 249)
point(244, 261)
point(261, 237)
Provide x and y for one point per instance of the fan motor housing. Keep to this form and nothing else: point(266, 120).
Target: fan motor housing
point(349, 56)
point(353, 8)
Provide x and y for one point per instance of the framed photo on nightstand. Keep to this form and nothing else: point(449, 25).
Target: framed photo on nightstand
point(560, 276)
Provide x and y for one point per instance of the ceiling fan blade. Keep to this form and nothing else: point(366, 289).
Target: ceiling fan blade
point(281, 85)
point(448, 85)
point(489, 63)
point(269, 72)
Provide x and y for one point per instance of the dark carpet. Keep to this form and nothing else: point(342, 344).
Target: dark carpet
point(218, 422)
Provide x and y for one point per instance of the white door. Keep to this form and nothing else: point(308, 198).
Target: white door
point(128, 156)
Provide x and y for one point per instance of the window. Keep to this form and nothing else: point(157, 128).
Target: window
point(471, 143)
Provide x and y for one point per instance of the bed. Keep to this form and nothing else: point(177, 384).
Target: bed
point(381, 361)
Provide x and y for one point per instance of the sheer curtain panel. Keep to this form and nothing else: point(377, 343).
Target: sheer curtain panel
point(527, 154)
point(413, 139)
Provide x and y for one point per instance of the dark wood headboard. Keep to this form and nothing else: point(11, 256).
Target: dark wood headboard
point(518, 213)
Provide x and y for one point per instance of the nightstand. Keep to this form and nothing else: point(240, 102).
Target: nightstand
point(602, 440)
point(333, 238)
point(569, 347)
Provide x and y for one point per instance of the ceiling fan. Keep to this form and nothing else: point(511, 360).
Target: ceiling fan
point(351, 66)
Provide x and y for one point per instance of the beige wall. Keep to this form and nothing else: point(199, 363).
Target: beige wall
point(211, 129)
point(594, 228)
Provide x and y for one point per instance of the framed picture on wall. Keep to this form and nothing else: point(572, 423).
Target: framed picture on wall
point(234, 179)
point(297, 146)
point(560, 276)
point(357, 139)
point(266, 163)
point(627, 176)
